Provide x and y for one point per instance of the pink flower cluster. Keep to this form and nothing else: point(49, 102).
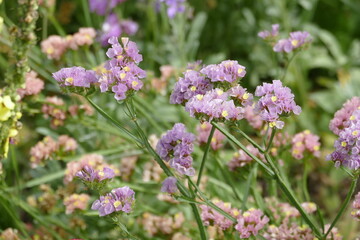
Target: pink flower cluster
point(55, 46)
point(356, 207)
point(203, 134)
point(76, 201)
point(341, 118)
point(251, 222)
point(49, 148)
point(253, 118)
point(33, 85)
point(210, 217)
point(305, 141)
point(95, 161)
point(241, 159)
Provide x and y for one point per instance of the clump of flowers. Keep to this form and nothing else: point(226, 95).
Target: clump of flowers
point(203, 135)
point(252, 117)
point(92, 177)
point(347, 146)
point(251, 222)
point(174, 7)
point(118, 200)
point(176, 147)
point(10, 234)
point(227, 71)
point(53, 108)
point(33, 85)
point(76, 201)
point(210, 217)
point(240, 96)
point(305, 141)
point(276, 101)
point(342, 117)
point(241, 159)
point(122, 75)
point(192, 84)
point(49, 148)
point(84, 37)
point(95, 161)
point(169, 185)
point(267, 35)
point(296, 40)
point(54, 46)
point(152, 172)
point(75, 77)
point(356, 207)
point(156, 225)
point(214, 105)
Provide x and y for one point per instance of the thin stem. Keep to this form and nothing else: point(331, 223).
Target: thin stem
point(343, 206)
point(288, 65)
point(234, 140)
point(206, 151)
point(273, 131)
point(304, 180)
point(250, 140)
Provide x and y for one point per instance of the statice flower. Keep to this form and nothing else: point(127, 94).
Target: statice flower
point(85, 36)
point(356, 207)
point(214, 105)
point(305, 141)
point(342, 117)
point(95, 161)
point(110, 28)
point(169, 185)
point(309, 207)
point(118, 200)
point(101, 7)
point(129, 27)
point(176, 147)
point(75, 77)
point(267, 34)
point(288, 231)
point(33, 85)
point(240, 96)
point(76, 201)
point(253, 118)
point(227, 71)
point(296, 40)
point(89, 174)
point(276, 100)
point(241, 159)
point(210, 217)
point(174, 7)
point(203, 134)
point(347, 146)
point(251, 222)
point(160, 225)
point(54, 46)
point(123, 76)
point(192, 84)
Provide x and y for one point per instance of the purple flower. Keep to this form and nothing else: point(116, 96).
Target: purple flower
point(88, 174)
point(266, 34)
point(169, 185)
point(347, 146)
point(214, 105)
point(110, 28)
point(203, 135)
point(174, 7)
point(120, 199)
point(275, 101)
point(228, 71)
point(356, 207)
point(129, 27)
point(342, 117)
point(176, 146)
point(122, 75)
point(101, 7)
point(296, 40)
point(191, 84)
point(240, 96)
point(305, 141)
point(75, 77)
point(210, 217)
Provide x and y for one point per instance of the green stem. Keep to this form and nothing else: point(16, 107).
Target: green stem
point(343, 206)
point(85, 6)
point(273, 131)
point(206, 151)
point(250, 140)
point(304, 180)
point(234, 140)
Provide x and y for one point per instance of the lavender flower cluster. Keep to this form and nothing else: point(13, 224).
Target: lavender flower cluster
point(176, 147)
point(296, 40)
point(276, 100)
point(101, 7)
point(89, 174)
point(347, 146)
point(75, 77)
point(118, 200)
point(173, 7)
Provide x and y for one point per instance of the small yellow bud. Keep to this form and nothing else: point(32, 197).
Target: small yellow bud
point(294, 42)
point(69, 80)
point(122, 75)
point(199, 96)
point(272, 124)
point(117, 203)
point(134, 83)
point(245, 96)
point(126, 69)
point(224, 113)
point(219, 92)
point(193, 88)
point(343, 144)
point(274, 98)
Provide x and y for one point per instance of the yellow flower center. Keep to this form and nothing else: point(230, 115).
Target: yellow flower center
point(240, 70)
point(69, 80)
point(193, 88)
point(316, 148)
point(199, 97)
point(50, 50)
point(236, 213)
point(294, 42)
point(343, 144)
point(120, 57)
point(117, 203)
point(134, 83)
point(272, 124)
point(355, 133)
point(122, 75)
point(219, 92)
point(307, 132)
point(274, 98)
point(245, 96)
point(352, 118)
point(101, 173)
point(126, 69)
point(224, 113)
